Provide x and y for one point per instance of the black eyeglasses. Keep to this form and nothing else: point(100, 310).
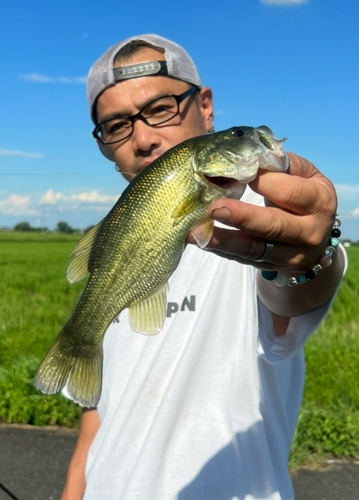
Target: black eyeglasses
point(157, 112)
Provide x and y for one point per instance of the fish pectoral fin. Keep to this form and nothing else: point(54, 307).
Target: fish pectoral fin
point(203, 233)
point(148, 315)
point(188, 205)
point(79, 266)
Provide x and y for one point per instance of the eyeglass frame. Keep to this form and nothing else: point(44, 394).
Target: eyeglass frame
point(138, 116)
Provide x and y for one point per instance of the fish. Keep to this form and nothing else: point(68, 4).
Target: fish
point(131, 253)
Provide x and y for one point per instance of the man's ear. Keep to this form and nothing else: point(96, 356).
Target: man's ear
point(206, 106)
point(105, 151)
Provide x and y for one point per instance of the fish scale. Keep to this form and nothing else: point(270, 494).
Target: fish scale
point(133, 251)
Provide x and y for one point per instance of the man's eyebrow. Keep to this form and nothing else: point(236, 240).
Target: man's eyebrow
point(148, 101)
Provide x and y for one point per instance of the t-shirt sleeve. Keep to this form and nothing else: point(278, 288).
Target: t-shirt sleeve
point(278, 349)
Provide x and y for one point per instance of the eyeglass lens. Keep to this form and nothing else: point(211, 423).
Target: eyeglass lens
point(155, 113)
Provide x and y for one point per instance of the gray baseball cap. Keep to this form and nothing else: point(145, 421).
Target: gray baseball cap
point(178, 64)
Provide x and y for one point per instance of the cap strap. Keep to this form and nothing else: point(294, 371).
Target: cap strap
point(141, 69)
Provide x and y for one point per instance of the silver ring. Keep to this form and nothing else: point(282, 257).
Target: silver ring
point(266, 252)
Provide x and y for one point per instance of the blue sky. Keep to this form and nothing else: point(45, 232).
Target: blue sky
point(290, 64)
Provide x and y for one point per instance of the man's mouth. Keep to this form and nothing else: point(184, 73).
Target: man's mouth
point(147, 162)
point(144, 165)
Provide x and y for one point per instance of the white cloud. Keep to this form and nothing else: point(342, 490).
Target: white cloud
point(348, 198)
point(16, 205)
point(285, 3)
point(93, 197)
point(22, 154)
point(51, 198)
point(55, 204)
point(347, 191)
point(39, 78)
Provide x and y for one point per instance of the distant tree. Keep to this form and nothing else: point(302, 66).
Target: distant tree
point(23, 226)
point(64, 227)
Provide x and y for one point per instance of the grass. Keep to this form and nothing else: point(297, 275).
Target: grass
point(329, 418)
point(37, 301)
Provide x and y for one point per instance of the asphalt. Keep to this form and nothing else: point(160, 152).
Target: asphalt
point(33, 463)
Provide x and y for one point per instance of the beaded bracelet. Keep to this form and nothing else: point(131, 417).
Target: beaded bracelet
point(324, 261)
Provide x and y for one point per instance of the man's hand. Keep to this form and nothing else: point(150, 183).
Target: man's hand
point(298, 221)
point(298, 224)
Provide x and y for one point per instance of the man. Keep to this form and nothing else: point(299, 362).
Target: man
point(206, 410)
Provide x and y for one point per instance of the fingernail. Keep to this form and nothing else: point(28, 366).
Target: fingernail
point(221, 214)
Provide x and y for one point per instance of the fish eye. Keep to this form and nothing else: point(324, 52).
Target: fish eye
point(238, 132)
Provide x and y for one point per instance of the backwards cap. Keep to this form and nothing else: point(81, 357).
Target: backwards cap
point(178, 64)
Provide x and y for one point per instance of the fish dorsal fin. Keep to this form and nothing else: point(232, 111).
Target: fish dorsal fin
point(203, 233)
point(148, 315)
point(78, 268)
point(188, 205)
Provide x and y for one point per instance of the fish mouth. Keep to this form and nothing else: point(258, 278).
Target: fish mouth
point(232, 187)
point(221, 182)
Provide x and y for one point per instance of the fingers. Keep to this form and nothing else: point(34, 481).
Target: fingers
point(270, 223)
point(249, 249)
point(305, 190)
point(237, 245)
point(298, 222)
point(303, 206)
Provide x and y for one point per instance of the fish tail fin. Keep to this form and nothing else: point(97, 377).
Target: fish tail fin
point(81, 372)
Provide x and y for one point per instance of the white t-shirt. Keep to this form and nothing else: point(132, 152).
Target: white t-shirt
point(206, 409)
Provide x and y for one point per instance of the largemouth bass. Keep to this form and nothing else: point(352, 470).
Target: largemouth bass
point(133, 251)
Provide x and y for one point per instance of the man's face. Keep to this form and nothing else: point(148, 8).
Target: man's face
point(148, 143)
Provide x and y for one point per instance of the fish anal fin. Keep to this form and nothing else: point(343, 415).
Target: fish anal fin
point(78, 268)
point(148, 315)
point(203, 233)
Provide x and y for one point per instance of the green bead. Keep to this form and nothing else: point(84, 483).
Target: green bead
point(269, 275)
point(301, 279)
point(334, 242)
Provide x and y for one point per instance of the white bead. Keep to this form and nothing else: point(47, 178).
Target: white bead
point(281, 280)
point(337, 223)
point(329, 251)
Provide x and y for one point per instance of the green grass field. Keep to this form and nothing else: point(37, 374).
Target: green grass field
point(37, 301)
point(329, 418)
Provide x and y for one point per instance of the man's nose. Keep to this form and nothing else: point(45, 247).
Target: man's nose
point(144, 136)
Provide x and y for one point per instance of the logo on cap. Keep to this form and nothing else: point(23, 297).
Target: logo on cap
point(140, 69)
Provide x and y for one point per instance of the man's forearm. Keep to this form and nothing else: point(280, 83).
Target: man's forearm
point(293, 301)
point(75, 479)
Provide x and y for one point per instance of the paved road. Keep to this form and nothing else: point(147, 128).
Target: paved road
point(33, 463)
